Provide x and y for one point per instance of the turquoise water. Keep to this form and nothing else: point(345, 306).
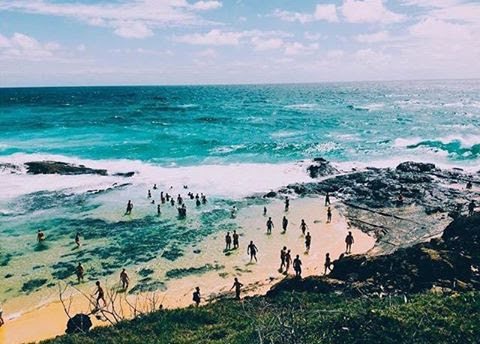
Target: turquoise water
point(226, 141)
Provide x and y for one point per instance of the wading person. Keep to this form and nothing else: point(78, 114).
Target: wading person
point(237, 285)
point(327, 199)
point(40, 236)
point(264, 211)
point(348, 243)
point(77, 239)
point(79, 271)
point(252, 250)
point(129, 208)
point(124, 279)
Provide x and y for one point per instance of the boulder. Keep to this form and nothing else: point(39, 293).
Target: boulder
point(80, 323)
point(411, 166)
point(321, 168)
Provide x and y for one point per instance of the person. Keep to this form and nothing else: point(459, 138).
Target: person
point(269, 225)
point(228, 242)
point(329, 215)
point(297, 266)
point(303, 226)
point(154, 186)
point(129, 208)
point(40, 236)
point(196, 296)
point(182, 211)
point(167, 196)
point(348, 243)
point(197, 202)
point(179, 199)
point(264, 211)
point(284, 224)
point(79, 271)
point(153, 201)
point(235, 240)
point(252, 250)
point(237, 285)
point(2, 322)
point(159, 210)
point(288, 260)
point(233, 212)
point(124, 279)
point(197, 197)
point(283, 253)
point(77, 239)
point(204, 199)
point(469, 185)
point(471, 207)
point(172, 202)
point(100, 294)
point(327, 199)
point(308, 241)
point(149, 195)
point(162, 197)
point(328, 263)
point(287, 203)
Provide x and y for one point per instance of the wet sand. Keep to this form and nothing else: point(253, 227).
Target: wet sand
point(216, 279)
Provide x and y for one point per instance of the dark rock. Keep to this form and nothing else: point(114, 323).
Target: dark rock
point(80, 323)
point(10, 168)
point(126, 174)
point(270, 194)
point(411, 166)
point(58, 167)
point(321, 168)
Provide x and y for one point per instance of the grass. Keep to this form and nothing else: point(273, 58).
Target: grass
point(304, 318)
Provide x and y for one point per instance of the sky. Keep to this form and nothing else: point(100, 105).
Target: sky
point(145, 42)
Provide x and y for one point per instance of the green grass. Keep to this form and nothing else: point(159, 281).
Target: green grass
point(304, 318)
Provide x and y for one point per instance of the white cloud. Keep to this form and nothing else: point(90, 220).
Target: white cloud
point(434, 29)
point(431, 3)
point(132, 19)
point(261, 44)
point(208, 53)
point(213, 37)
point(206, 5)
point(322, 12)
point(23, 47)
point(296, 48)
point(314, 36)
point(376, 37)
point(369, 11)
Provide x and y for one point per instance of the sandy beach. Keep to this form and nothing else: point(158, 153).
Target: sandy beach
point(207, 265)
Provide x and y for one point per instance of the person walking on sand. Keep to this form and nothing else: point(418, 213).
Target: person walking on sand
point(303, 226)
point(269, 225)
point(264, 211)
point(284, 224)
point(283, 253)
point(196, 296)
point(100, 294)
point(297, 266)
point(327, 199)
point(252, 251)
point(237, 285)
point(471, 208)
point(329, 215)
point(348, 243)
point(288, 261)
point(287, 203)
point(228, 242)
point(79, 271)
point(328, 263)
point(235, 240)
point(129, 208)
point(308, 242)
point(124, 279)
point(77, 239)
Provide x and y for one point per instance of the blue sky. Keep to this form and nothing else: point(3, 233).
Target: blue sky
point(90, 42)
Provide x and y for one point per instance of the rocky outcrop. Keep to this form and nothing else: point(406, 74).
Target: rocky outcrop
point(9, 168)
point(80, 323)
point(63, 168)
point(449, 263)
point(321, 168)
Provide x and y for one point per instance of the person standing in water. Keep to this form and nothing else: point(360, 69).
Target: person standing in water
point(172, 202)
point(233, 212)
point(196, 296)
point(328, 263)
point(329, 215)
point(252, 250)
point(40, 236)
point(149, 194)
point(237, 285)
point(297, 266)
point(228, 242)
point(287, 203)
point(79, 271)
point(77, 239)
point(288, 261)
point(303, 226)
point(348, 243)
point(284, 224)
point(327, 199)
point(308, 242)
point(269, 225)
point(471, 208)
point(235, 240)
point(129, 208)
point(154, 186)
point(124, 279)
point(283, 253)
point(159, 210)
point(100, 294)
point(264, 211)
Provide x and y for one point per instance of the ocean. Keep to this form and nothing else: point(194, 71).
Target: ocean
point(228, 142)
